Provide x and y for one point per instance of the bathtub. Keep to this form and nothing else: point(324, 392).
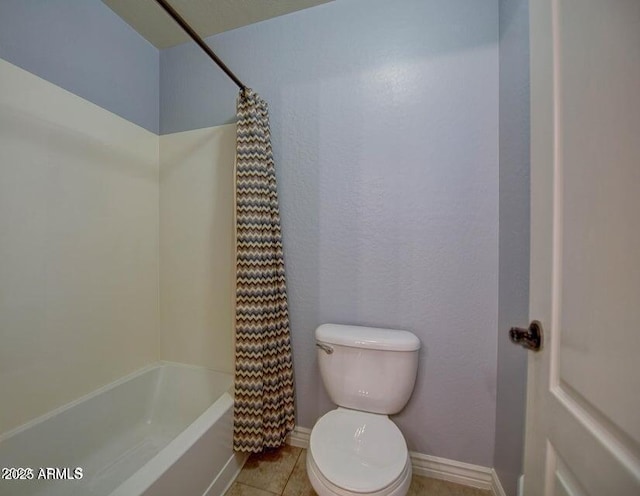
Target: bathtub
point(164, 430)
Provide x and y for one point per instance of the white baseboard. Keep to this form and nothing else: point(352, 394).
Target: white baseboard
point(496, 486)
point(451, 470)
point(299, 437)
point(521, 485)
point(431, 466)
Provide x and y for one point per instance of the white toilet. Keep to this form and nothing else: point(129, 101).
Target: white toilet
point(356, 449)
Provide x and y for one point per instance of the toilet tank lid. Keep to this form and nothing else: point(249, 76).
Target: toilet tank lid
point(372, 338)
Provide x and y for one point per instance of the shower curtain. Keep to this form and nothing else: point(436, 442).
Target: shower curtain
point(264, 397)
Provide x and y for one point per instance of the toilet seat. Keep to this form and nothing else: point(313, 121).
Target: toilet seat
point(358, 451)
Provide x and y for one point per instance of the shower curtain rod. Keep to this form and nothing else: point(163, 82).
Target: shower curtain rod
point(194, 36)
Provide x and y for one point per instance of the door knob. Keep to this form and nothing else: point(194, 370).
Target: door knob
point(530, 338)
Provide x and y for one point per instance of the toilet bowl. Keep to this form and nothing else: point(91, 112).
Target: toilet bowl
point(358, 452)
point(356, 449)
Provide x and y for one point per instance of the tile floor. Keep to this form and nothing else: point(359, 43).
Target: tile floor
point(282, 472)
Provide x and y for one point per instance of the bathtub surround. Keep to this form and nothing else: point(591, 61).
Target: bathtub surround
point(264, 395)
point(78, 249)
point(79, 202)
point(387, 153)
point(197, 249)
point(82, 237)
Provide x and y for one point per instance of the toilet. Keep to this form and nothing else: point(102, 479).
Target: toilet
point(369, 374)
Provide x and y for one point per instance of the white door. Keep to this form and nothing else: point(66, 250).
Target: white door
point(583, 406)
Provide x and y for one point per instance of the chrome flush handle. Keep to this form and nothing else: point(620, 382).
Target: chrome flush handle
point(325, 347)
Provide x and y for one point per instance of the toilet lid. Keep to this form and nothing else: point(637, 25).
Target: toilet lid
point(358, 451)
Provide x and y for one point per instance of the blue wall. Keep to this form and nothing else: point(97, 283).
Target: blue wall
point(514, 238)
point(84, 47)
point(385, 128)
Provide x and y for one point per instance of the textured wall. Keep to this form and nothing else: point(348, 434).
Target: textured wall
point(385, 128)
point(514, 238)
point(82, 46)
point(78, 249)
point(197, 248)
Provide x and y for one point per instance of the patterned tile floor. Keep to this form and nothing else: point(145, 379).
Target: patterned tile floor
point(282, 472)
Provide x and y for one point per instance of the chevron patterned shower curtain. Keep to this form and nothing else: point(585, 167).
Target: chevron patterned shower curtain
point(264, 408)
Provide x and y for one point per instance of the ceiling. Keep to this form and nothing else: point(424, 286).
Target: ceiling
point(207, 17)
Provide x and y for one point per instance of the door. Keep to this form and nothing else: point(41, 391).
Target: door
point(583, 404)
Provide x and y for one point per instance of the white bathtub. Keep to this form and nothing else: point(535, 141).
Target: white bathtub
point(165, 430)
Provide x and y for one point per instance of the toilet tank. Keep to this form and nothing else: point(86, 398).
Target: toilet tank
point(367, 368)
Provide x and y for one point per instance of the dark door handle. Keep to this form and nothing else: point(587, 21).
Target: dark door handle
point(530, 338)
